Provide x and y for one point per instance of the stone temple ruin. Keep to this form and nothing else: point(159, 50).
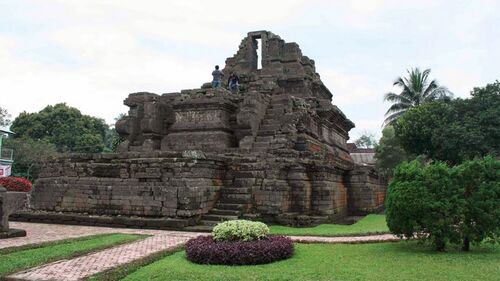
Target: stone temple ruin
point(274, 152)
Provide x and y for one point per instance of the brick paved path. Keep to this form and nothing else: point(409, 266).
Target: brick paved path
point(85, 266)
point(39, 232)
point(347, 239)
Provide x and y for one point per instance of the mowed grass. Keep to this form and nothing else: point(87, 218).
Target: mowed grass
point(16, 259)
point(371, 224)
point(380, 261)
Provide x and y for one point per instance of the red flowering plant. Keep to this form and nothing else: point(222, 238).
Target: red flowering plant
point(16, 184)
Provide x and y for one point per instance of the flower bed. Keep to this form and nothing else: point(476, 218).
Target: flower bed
point(16, 184)
point(206, 250)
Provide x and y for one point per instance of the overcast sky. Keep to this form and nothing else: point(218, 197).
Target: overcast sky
point(92, 53)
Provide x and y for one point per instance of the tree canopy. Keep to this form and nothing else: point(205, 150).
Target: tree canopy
point(29, 155)
point(366, 140)
point(63, 126)
point(454, 131)
point(389, 153)
point(416, 89)
point(444, 204)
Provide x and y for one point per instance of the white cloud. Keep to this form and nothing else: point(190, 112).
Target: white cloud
point(348, 89)
point(92, 53)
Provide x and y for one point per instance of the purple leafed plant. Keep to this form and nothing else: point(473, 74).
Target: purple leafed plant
point(205, 250)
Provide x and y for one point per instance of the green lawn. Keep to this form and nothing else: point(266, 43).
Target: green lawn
point(15, 259)
point(380, 261)
point(371, 224)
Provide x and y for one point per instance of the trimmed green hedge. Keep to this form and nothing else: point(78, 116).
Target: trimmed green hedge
point(240, 230)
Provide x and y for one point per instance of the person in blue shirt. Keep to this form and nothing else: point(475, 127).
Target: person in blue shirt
point(217, 74)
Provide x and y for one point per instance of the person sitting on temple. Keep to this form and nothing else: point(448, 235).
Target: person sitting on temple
point(217, 74)
point(234, 83)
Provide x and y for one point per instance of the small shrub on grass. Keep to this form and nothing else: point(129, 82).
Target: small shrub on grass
point(16, 184)
point(240, 230)
point(205, 250)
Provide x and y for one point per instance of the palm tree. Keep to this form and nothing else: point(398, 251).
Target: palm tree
point(416, 90)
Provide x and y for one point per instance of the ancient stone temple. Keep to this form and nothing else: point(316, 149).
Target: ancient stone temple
point(276, 151)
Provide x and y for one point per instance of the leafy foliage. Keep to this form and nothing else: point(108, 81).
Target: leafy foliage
point(63, 126)
point(240, 230)
point(480, 185)
point(366, 141)
point(29, 155)
point(445, 204)
point(389, 153)
point(111, 140)
point(16, 184)
point(454, 131)
point(206, 250)
point(416, 89)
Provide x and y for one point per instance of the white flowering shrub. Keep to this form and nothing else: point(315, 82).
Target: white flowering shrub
point(240, 230)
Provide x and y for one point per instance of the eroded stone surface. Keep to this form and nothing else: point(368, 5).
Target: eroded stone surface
point(276, 151)
point(9, 203)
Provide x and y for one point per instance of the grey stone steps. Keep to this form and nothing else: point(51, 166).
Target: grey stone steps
point(208, 222)
point(225, 212)
point(271, 122)
point(264, 138)
point(261, 145)
point(270, 127)
point(236, 198)
point(236, 190)
point(199, 228)
point(267, 132)
point(230, 206)
point(218, 218)
point(275, 112)
point(260, 149)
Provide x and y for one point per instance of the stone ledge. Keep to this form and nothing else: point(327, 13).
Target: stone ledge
point(12, 233)
point(108, 221)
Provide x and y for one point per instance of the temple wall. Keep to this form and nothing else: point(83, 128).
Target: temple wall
point(366, 190)
point(156, 187)
point(188, 185)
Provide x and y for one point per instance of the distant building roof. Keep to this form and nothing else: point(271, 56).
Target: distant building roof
point(361, 155)
point(6, 131)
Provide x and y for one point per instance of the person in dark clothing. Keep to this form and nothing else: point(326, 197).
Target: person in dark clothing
point(233, 83)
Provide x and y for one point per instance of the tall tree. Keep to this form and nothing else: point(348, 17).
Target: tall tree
point(63, 126)
point(454, 131)
point(416, 89)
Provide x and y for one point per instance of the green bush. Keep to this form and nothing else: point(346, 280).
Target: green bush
point(480, 185)
point(240, 230)
point(445, 204)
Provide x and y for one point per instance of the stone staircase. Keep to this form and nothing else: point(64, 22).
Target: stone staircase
point(271, 125)
point(235, 200)
point(232, 203)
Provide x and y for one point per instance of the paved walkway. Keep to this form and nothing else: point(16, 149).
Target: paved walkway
point(88, 265)
point(40, 232)
point(347, 239)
